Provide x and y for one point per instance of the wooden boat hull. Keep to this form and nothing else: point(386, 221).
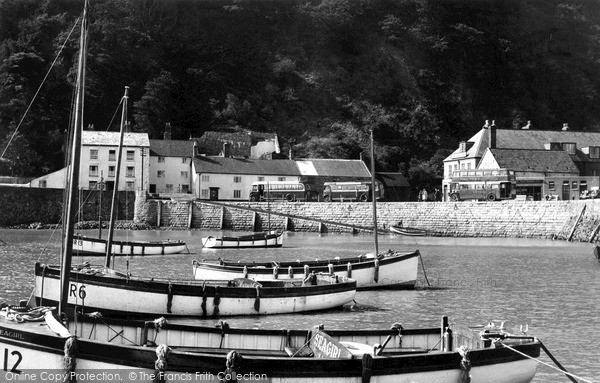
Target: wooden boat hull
point(32, 348)
point(391, 270)
point(88, 246)
point(259, 240)
point(410, 231)
point(116, 294)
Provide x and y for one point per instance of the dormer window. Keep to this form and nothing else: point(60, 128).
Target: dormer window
point(462, 146)
point(556, 146)
point(569, 147)
point(594, 151)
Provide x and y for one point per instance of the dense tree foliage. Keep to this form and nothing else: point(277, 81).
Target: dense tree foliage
point(422, 74)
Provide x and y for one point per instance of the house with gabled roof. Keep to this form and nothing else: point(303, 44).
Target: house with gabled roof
point(98, 167)
point(171, 163)
point(561, 163)
point(231, 178)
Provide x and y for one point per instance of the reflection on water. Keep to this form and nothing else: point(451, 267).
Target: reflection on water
point(550, 285)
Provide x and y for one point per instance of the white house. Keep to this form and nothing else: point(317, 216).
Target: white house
point(99, 163)
point(171, 166)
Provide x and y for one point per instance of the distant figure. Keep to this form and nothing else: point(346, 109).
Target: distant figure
point(399, 224)
point(527, 126)
point(437, 195)
point(424, 195)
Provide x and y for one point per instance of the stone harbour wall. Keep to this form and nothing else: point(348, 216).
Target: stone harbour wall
point(576, 220)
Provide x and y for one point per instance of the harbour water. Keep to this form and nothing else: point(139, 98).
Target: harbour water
point(551, 286)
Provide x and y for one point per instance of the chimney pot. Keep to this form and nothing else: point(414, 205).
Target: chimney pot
point(565, 126)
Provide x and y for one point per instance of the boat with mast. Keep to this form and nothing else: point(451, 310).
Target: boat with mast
point(390, 269)
point(266, 239)
point(89, 246)
point(55, 348)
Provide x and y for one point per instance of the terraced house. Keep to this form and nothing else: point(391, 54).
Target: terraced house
point(556, 164)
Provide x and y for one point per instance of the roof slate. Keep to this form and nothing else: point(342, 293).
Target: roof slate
point(172, 148)
point(230, 165)
point(95, 138)
point(540, 160)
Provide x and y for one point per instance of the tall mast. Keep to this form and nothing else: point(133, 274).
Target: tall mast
point(73, 168)
point(113, 209)
point(373, 196)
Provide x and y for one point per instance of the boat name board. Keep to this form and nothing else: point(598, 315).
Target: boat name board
point(324, 346)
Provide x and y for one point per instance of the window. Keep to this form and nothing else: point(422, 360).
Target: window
point(93, 185)
point(42, 184)
point(130, 186)
point(574, 185)
point(260, 178)
point(130, 155)
point(569, 147)
point(237, 194)
point(205, 178)
point(237, 179)
point(281, 179)
point(550, 185)
point(130, 171)
point(169, 188)
point(184, 160)
point(462, 166)
point(112, 155)
point(161, 159)
point(93, 154)
point(594, 151)
point(469, 166)
point(184, 174)
point(111, 171)
point(455, 167)
point(160, 174)
point(93, 170)
point(204, 193)
point(185, 188)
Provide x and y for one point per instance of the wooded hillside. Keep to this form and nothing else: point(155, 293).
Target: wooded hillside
point(424, 74)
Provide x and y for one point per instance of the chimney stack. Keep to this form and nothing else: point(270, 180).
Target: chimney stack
point(291, 154)
point(167, 134)
point(492, 135)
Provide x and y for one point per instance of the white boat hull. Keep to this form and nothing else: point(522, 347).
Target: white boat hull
point(93, 246)
point(34, 353)
point(132, 296)
point(400, 272)
point(257, 240)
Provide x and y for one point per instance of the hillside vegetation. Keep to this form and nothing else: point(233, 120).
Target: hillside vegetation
point(423, 74)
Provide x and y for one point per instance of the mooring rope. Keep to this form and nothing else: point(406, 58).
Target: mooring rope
point(569, 375)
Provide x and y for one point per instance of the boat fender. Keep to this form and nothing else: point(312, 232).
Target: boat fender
point(367, 363)
point(160, 323)
point(275, 272)
point(216, 301)
point(291, 272)
point(245, 271)
point(349, 268)
point(170, 298)
point(162, 353)
point(70, 358)
point(204, 297)
point(257, 299)
point(376, 272)
point(232, 365)
point(465, 365)
point(306, 271)
point(330, 268)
